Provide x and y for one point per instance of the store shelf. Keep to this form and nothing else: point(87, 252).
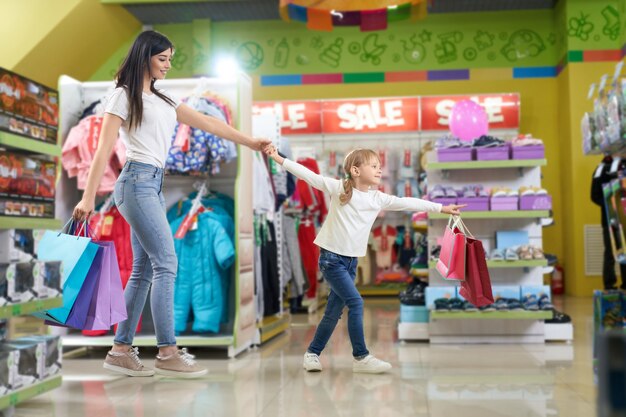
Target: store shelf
point(26, 144)
point(30, 392)
point(14, 310)
point(273, 326)
point(509, 264)
point(388, 289)
point(515, 214)
point(512, 163)
point(489, 315)
point(9, 222)
point(79, 341)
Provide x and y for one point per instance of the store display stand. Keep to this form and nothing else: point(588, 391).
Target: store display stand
point(20, 143)
point(235, 180)
point(504, 327)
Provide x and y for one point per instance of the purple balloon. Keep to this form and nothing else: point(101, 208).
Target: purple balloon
point(468, 120)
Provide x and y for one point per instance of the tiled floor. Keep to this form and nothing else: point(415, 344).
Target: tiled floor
point(445, 381)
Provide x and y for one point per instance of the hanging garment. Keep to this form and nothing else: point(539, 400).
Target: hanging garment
point(384, 237)
point(309, 253)
point(263, 199)
point(79, 150)
point(312, 199)
point(292, 261)
point(269, 266)
point(195, 150)
point(205, 255)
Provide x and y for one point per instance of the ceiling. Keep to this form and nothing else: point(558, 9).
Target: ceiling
point(233, 10)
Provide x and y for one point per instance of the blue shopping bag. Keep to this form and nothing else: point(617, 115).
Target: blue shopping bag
point(77, 254)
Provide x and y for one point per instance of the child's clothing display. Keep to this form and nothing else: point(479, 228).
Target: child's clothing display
point(384, 238)
point(407, 167)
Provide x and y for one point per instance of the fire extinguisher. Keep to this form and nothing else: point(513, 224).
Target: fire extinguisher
point(557, 284)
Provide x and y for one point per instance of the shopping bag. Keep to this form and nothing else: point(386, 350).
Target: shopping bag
point(107, 303)
point(77, 254)
point(78, 314)
point(451, 263)
point(477, 285)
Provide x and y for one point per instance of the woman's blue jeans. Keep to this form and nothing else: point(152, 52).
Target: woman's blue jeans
point(340, 272)
point(139, 198)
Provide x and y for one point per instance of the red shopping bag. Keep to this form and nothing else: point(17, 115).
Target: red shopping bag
point(451, 263)
point(477, 285)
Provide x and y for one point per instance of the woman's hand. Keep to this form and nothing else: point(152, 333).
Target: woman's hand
point(259, 144)
point(83, 210)
point(453, 209)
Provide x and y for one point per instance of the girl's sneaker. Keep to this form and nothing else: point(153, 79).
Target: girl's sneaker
point(127, 363)
point(312, 362)
point(370, 365)
point(179, 365)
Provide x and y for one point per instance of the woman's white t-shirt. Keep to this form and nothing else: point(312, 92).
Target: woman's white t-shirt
point(151, 141)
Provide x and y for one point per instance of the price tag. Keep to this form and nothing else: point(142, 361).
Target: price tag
point(107, 226)
point(598, 171)
point(194, 225)
point(615, 164)
point(592, 89)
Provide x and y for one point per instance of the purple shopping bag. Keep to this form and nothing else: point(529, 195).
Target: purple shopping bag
point(78, 313)
point(107, 302)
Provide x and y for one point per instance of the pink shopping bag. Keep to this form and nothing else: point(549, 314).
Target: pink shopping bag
point(451, 263)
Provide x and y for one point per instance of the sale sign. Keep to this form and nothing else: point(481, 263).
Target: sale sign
point(296, 117)
point(370, 115)
point(503, 110)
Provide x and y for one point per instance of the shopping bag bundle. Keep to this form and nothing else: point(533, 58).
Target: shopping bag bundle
point(93, 298)
point(463, 259)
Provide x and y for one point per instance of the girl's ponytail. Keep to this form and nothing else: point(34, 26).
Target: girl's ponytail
point(348, 186)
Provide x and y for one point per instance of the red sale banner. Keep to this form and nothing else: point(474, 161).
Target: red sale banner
point(503, 110)
point(296, 117)
point(370, 115)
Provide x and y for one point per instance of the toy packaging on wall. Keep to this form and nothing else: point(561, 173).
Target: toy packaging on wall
point(28, 108)
point(26, 176)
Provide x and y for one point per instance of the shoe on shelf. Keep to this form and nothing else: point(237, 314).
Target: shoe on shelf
point(181, 364)
point(469, 307)
point(370, 365)
point(537, 252)
point(559, 318)
point(510, 254)
point(456, 304)
point(525, 253)
point(127, 363)
point(501, 304)
point(514, 304)
point(497, 255)
point(312, 362)
point(488, 308)
point(442, 304)
point(544, 303)
point(530, 302)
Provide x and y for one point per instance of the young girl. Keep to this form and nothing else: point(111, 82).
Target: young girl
point(147, 118)
point(354, 204)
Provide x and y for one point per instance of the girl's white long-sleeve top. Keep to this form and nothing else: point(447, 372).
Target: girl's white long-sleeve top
point(346, 229)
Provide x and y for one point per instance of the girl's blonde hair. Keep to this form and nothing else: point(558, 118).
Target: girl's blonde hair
point(355, 158)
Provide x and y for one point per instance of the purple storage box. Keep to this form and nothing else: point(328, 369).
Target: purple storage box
point(535, 202)
point(455, 154)
point(529, 152)
point(445, 200)
point(474, 203)
point(504, 203)
point(496, 153)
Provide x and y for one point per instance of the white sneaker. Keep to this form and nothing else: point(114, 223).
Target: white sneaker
point(312, 362)
point(370, 365)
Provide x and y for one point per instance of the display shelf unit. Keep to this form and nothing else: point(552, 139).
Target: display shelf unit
point(8, 222)
point(29, 392)
point(490, 315)
point(385, 289)
point(512, 163)
point(514, 214)
point(14, 310)
point(505, 326)
point(31, 145)
point(234, 179)
point(509, 264)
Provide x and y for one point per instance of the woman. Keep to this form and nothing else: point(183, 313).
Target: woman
point(147, 118)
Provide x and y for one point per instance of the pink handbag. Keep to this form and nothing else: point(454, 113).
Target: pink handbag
point(451, 263)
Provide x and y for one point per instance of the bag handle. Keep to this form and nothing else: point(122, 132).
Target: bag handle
point(69, 228)
point(459, 224)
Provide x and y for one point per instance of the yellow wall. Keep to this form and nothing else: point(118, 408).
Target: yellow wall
point(577, 170)
point(66, 40)
point(540, 101)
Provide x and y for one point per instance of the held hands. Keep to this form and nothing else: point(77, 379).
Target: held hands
point(259, 144)
point(454, 209)
point(83, 210)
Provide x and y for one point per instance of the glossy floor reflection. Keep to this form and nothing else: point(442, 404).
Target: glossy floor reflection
point(445, 381)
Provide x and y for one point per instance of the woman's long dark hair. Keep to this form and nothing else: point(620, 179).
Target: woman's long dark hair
point(131, 72)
